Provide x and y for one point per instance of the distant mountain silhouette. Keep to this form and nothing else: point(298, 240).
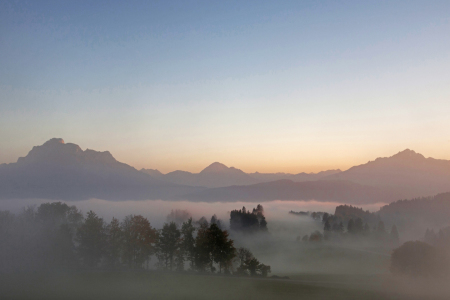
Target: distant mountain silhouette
point(153, 172)
point(333, 191)
point(219, 175)
point(215, 175)
point(266, 177)
point(57, 170)
point(407, 172)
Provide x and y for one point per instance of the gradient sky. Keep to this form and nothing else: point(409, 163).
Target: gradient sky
point(287, 86)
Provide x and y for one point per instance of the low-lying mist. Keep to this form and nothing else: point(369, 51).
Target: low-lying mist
point(157, 210)
point(280, 248)
point(358, 263)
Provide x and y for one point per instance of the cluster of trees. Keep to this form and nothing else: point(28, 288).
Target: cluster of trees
point(248, 263)
point(430, 258)
point(315, 215)
point(419, 259)
point(440, 240)
point(334, 230)
point(346, 212)
point(410, 215)
point(58, 236)
point(247, 221)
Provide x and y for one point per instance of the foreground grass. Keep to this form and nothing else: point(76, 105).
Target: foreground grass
point(156, 285)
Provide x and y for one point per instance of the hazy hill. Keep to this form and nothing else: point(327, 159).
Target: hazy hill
point(266, 177)
point(56, 170)
point(215, 175)
point(347, 212)
point(219, 175)
point(321, 190)
point(417, 214)
point(153, 172)
point(408, 172)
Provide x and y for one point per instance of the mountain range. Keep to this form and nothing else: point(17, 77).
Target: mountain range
point(56, 170)
point(219, 175)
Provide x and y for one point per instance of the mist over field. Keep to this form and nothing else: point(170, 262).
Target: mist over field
point(348, 268)
point(157, 210)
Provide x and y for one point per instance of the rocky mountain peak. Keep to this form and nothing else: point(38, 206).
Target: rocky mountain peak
point(408, 154)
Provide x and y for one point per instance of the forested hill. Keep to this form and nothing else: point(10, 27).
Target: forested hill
point(418, 214)
point(433, 209)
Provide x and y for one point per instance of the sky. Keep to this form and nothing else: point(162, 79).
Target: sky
point(268, 86)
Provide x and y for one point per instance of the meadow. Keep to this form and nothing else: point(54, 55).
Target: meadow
point(159, 285)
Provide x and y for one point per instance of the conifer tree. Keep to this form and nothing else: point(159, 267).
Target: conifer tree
point(168, 244)
point(91, 236)
point(351, 226)
point(188, 241)
point(114, 242)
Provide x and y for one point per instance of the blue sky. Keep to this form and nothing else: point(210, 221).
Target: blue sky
point(261, 85)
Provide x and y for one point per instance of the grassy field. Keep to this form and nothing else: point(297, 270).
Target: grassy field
point(158, 285)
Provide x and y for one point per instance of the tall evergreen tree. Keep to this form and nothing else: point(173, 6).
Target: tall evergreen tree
point(114, 242)
point(351, 226)
point(202, 249)
point(188, 241)
point(359, 227)
point(222, 249)
point(91, 236)
point(168, 244)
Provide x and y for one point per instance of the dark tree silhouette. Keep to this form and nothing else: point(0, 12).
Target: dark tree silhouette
point(91, 236)
point(114, 243)
point(256, 268)
point(351, 226)
point(188, 241)
point(248, 222)
point(221, 247)
point(168, 245)
point(139, 240)
point(58, 223)
point(202, 250)
point(359, 227)
point(419, 259)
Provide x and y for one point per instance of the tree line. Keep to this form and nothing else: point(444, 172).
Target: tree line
point(247, 221)
point(335, 230)
point(57, 236)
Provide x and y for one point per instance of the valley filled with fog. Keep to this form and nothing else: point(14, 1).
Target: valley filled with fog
point(380, 228)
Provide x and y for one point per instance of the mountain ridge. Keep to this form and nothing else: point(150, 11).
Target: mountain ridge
point(62, 170)
point(417, 175)
point(56, 170)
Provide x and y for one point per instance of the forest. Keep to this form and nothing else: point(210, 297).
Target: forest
point(57, 236)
